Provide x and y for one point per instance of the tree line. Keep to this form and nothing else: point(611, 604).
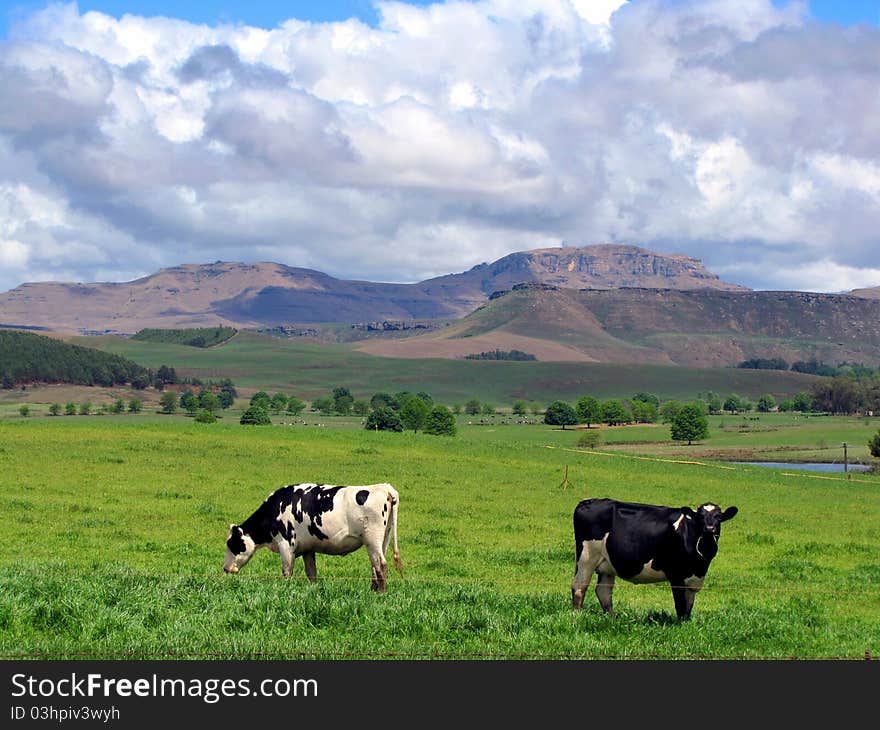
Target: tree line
point(30, 358)
point(810, 367)
point(382, 412)
point(194, 337)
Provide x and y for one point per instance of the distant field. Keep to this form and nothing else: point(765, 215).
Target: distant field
point(310, 370)
point(119, 525)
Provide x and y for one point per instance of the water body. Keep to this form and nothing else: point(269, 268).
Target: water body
point(809, 466)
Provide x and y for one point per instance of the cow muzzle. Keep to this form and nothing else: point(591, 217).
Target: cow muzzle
point(231, 569)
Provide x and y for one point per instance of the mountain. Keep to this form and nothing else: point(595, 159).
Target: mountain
point(699, 328)
point(270, 294)
point(868, 293)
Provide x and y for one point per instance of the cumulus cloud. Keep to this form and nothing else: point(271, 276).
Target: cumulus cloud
point(737, 131)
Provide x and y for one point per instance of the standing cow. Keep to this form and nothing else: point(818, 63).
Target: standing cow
point(304, 519)
point(644, 543)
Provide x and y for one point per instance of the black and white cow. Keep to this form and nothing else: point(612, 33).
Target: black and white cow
point(304, 519)
point(644, 543)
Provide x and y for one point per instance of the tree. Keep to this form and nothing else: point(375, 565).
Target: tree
point(766, 403)
point(644, 412)
point(837, 395)
point(536, 408)
point(874, 445)
point(209, 401)
point(488, 409)
point(801, 402)
point(342, 400)
point(261, 400)
point(255, 416)
point(164, 376)
point(713, 402)
point(360, 407)
point(383, 419)
point(560, 413)
point(734, 403)
point(669, 410)
point(118, 406)
point(646, 398)
point(168, 402)
point(382, 400)
point(589, 410)
point(614, 412)
point(278, 402)
point(295, 406)
point(55, 409)
point(24, 410)
point(135, 405)
point(472, 407)
point(189, 402)
point(85, 408)
point(323, 405)
point(413, 413)
point(440, 422)
point(70, 407)
point(690, 424)
point(519, 408)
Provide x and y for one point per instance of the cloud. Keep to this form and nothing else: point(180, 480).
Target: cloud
point(740, 132)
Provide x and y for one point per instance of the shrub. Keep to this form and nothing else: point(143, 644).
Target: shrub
point(205, 416)
point(24, 410)
point(874, 445)
point(589, 439)
point(255, 416)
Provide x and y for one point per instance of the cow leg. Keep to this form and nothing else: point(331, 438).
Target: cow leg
point(380, 568)
point(604, 589)
point(684, 601)
point(310, 566)
point(585, 566)
point(287, 557)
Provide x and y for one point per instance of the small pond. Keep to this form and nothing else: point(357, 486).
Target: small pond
point(808, 466)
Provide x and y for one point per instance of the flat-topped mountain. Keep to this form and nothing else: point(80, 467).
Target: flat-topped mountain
point(271, 294)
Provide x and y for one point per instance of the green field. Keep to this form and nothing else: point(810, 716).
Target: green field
point(310, 370)
point(115, 530)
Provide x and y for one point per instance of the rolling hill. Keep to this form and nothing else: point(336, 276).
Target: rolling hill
point(698, 328)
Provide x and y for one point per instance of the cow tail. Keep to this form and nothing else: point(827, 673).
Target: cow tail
point(394, 498)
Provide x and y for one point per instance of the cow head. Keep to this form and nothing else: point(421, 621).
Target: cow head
point(239, 549)
point(706, 521)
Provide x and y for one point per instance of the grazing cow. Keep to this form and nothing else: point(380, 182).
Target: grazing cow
point(304, 519)
point(643, 543)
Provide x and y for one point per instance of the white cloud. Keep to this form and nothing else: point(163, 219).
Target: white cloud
point(732, 130)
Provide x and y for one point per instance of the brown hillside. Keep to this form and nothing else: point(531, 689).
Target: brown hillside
point(271, 295)
point(694, 328)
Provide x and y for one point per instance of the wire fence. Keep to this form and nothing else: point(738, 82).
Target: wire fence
point(837, 590)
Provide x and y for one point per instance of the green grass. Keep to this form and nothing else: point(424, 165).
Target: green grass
point(759, 437)
point(310, 370)
point(115, 530)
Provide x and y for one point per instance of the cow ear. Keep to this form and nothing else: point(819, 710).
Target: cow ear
point(232, 527)
point(687, 511)
point(729, 513)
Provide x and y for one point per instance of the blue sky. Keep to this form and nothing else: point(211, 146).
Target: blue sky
point(268, 13)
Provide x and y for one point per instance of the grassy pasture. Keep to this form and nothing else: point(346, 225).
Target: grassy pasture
point(311, 370)
point(115, 530)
